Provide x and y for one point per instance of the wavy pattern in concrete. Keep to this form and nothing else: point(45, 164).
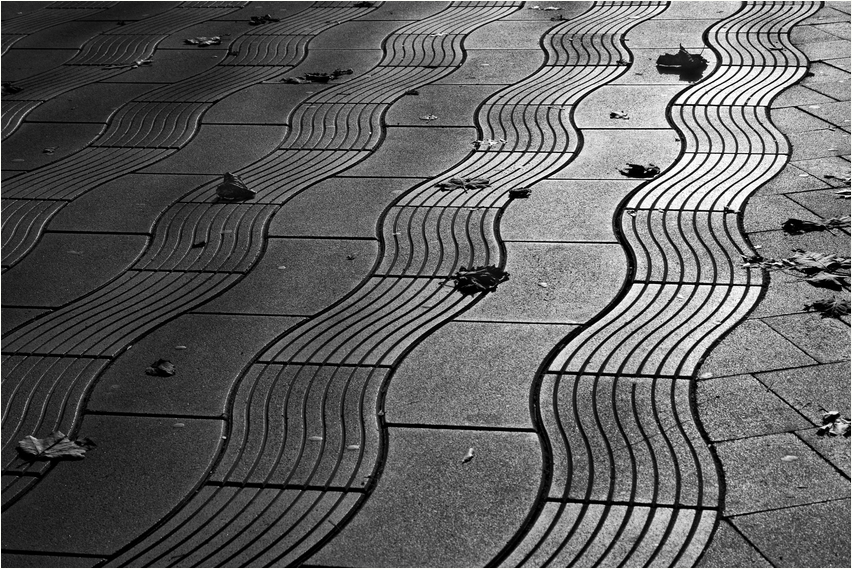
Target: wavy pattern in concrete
point(633, 482)
point(157, 124)
point(17, 28)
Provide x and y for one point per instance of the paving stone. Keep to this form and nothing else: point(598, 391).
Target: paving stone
point(645, 105)
point(471, 373)
point(835, 450)
point(824, 203)
point(13, 9)
point(820, 144)
point(668, 35)
point(798, 95)
point(36, 560)
point(792, 179)
point(362, 62)
point(13, 317)
point(217, 149)
point(405, 11)
point(339, 207)
point(170, 66)
point(791, 120)
point(710, 10)
point(362, 34)
point(141, 469)
point(834, 113)
point(730, 549)
point(317, 274)
point(128, 10)
point(803, 35)
point(839, 30)
point(566, 210)
point(839, 5)
point(454, 105)
point(753, 346)
point(811, 389)
point(28, 143)
point(740, 406)
point(503, 34)
point(274, 9)
point(826, 49)
point(132, 203)
point(431, 509)
point(824, 16)
point(824, 339)
point(401, 152)
point(207, 369)
point(785, 296)
point(563, 267)
point(567, 10)
point(828, 80)
point(764, 213)
point(89, 103)
point(65, 266)
point(263, 104)
point(20, 63)
point(816, 535)
point(495, 67)
point(757, 479)
point(606, 151)
point(778, 244)
point(70, 35)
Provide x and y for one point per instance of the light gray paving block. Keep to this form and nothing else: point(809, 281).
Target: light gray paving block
point(758, 479)
point(765, 213)
point(813, 389)
point(170, 66)
point(431, 508)
point(39, 560)
point(20, 63)
point(824, 339)
point(361, 34)
point(495, 67)
point(728, 548)
point(815, 535)
point(454, 105)
point(645, 105)
point(606, 151)
point(396, 10)
point(561, 268)
point(668, 35)
point(26, 147)
point(471, 373)
point(14, 317)
point(503, 34)
point(91, 103)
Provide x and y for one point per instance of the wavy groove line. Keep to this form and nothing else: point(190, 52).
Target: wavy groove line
point(16, 29)
point(299, 460)
point(684, 293)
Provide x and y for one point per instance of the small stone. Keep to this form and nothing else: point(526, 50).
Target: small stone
point(789, 458)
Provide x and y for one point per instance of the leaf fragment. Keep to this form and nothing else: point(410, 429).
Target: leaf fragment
point(469, 456)
point(789, 458)
point(463, 184)
point(161, 368)
point(478, 279)
point(520, 193)
point(203, 41)
point(260, 20)
point(318, 77)
point(640, 171)
point(545, 8)
point(429, 117)
point(795, 226)
point(9, 88)
point(833, 425)
point(412, 92)
point(830, 307)
point(54, 446)
point(234, 189)
point(619, 115)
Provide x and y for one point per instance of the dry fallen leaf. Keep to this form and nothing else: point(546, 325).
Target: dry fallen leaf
point(429, 118)
point(234, 189)
point(478, 279)
point(469, 456)
point(830, 307)
point(161, 368)
point(54, 446)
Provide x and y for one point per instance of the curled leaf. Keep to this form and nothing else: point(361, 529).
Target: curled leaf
point(520, 193)
point(260, 20)
point(830, 307)
point(234, 189)
point(429, 118)
point(619, 115)
point(161, 368)
point(469, 456)
point(54, 446)
point(478, 279)
point(203, 41)
point(464, 184)
point(640, 171)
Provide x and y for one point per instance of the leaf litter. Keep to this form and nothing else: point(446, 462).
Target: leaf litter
point(260, 20)
point(640, 171)
point(234, 189)
point(825, 270)
point(795, 226)
point(619, 115)
point(54, 446)
point(478, 279)
point(469, 456)
point(833, 425)
point(318, 77)
point(830, 307)
point(463, 184)
point(161, 368)
point(203, 41)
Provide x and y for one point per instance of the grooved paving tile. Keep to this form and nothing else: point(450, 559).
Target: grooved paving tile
point(132, 203)
point(562, 267)
point(228, 32)
point(276, 10)
point(362, 63)
point(566, 10)
point(152, 125)
point(125, 11)
point(26, 147)
point(757, 478)
point(14, 317)
point(38, 560)
point(297, 289)
point(566, 210)
point(263, 104)
point(730, 549)
point(90, 103)
point(412, 11)
point(339, 207)
point(399, 155)
point(207, 368)
point(740, 406)
point(218, 149)
point(436, 384)
point(171, 66)
point(23, 222)
point(433, 509)
point(124, 486)
point(19, 64)
point(790, 538)
point(65, 266)
point(626, 439)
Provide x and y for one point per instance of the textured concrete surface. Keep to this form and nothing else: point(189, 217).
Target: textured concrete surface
point(630, 396)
